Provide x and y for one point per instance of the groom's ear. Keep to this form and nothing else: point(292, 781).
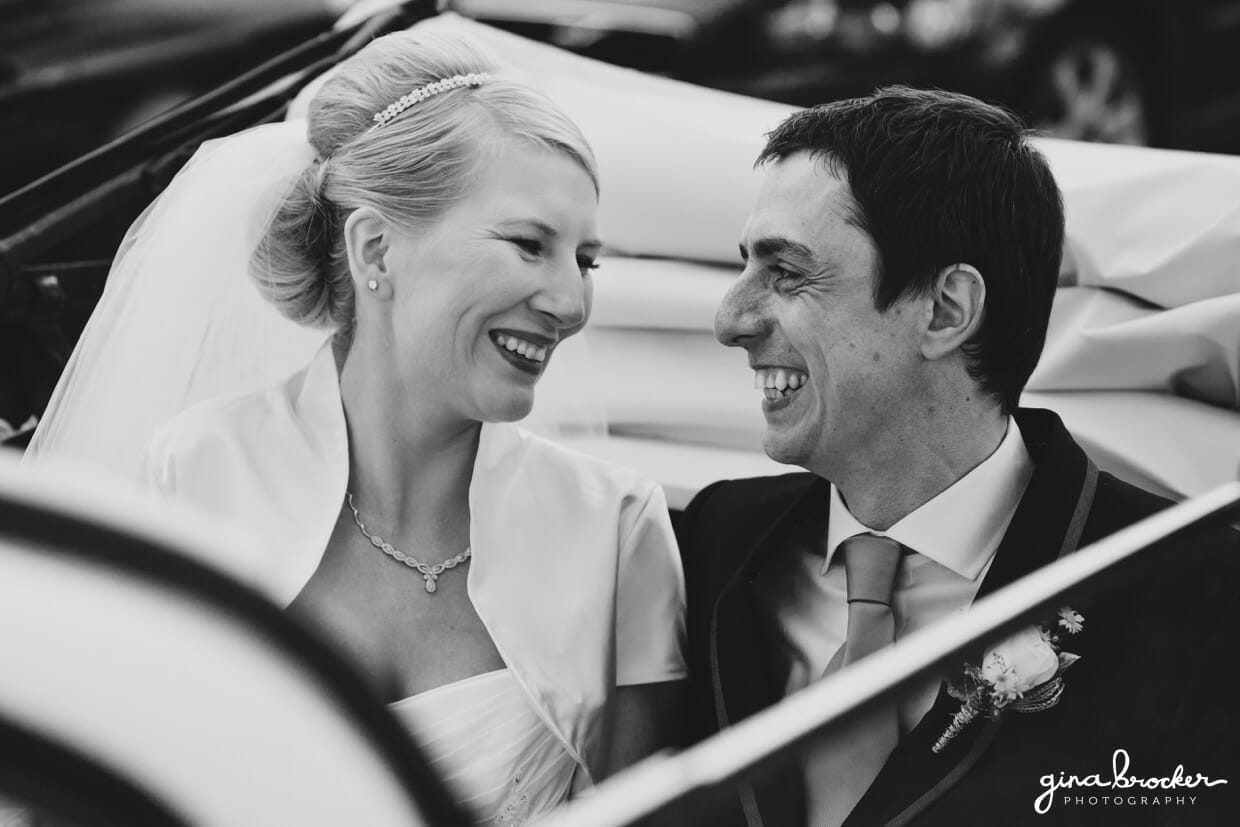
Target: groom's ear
point(366, 242)
point(957, 305)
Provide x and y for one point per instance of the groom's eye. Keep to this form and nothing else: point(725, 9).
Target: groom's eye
point(781, 274)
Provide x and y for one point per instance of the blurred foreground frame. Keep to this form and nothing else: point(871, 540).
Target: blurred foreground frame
point(682, 787)
point(140, 685)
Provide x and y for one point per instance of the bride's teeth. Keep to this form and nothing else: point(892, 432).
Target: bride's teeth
point(527, 350)
point(781, 379)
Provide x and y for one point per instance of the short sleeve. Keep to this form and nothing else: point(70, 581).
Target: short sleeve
point(650, 600)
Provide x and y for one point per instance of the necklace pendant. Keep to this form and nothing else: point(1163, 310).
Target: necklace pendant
point(430, 574)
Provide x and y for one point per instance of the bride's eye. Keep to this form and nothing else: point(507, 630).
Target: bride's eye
point(528, 246)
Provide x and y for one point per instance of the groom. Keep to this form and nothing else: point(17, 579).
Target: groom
point(900, 263)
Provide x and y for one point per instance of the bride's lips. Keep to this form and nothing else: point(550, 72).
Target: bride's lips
point(527, 352)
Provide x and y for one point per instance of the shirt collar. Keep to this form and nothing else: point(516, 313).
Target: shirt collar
point(961, 527)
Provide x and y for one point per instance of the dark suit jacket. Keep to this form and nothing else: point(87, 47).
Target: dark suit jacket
point(1153, 678)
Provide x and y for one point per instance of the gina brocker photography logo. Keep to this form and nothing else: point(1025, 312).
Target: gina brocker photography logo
point(1123, 788)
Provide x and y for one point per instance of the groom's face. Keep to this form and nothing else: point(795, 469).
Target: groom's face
point(833, 369)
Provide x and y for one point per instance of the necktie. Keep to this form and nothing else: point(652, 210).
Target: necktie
point(840, 769)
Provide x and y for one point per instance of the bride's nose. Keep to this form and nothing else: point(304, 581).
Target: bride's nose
point(562, 297)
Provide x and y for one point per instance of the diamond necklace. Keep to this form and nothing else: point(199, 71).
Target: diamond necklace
point(429, 573)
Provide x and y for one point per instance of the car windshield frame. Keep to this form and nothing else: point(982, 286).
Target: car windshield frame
point(141, 163)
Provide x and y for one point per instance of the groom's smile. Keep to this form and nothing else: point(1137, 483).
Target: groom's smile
point(778, 385)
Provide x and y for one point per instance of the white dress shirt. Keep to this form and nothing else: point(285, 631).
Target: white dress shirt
point(952, 539)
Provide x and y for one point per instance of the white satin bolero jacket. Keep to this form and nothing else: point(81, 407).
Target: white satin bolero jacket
point(575, 571)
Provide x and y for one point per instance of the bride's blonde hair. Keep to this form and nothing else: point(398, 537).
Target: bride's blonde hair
point(410, 170)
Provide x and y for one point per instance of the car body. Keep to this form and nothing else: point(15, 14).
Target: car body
point(1149, 71)
point(146, 681)
point(1140, 362)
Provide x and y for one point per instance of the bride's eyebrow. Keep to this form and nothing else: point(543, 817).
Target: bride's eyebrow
point(545, 229)
point(541, 227)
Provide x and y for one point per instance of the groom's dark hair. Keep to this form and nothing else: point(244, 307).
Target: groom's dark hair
point(940, 179)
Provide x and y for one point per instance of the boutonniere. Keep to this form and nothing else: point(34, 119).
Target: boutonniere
point(1022, 673)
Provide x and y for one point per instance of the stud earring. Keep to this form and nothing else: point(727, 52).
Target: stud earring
point(373, 284)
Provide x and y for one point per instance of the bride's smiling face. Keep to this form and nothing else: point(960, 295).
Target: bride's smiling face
point(479, 302)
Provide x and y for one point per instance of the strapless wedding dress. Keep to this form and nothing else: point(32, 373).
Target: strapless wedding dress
point(493, 751)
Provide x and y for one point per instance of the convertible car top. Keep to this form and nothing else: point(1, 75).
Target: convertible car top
point(1143, 355)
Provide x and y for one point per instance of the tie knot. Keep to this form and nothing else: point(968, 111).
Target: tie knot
point(870, 564)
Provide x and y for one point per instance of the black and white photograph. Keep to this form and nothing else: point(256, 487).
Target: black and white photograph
point(619, 413)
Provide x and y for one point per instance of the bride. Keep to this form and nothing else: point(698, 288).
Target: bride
point(519, 605)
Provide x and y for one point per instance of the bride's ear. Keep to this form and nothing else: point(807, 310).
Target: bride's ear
point(366, 242)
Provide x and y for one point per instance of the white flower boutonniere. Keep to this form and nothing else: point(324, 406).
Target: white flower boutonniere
point(1022, 673)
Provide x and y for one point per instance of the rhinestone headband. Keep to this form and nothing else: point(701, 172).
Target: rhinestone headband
point(473, 79)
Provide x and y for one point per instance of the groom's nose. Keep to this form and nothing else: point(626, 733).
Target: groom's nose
point(741, 318)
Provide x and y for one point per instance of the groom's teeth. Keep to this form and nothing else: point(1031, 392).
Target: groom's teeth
point(777, 381)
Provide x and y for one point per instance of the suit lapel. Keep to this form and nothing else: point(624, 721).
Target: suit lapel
point(915, 775)
point(1046, 524)
point(744, 674)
